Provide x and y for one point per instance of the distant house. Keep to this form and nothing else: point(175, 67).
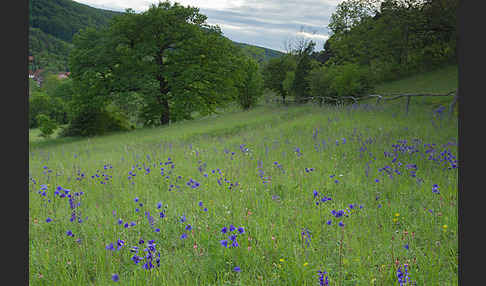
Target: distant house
point(37, 76)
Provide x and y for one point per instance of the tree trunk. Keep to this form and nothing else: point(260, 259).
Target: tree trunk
point(164, 90)
point(165, 112)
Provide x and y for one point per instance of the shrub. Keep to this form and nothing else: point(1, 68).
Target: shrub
point(47, 125)
point(337, 81)
point(91, 122)
point(41, 103)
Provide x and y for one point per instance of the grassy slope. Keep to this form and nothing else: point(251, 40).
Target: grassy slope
point(440, 81)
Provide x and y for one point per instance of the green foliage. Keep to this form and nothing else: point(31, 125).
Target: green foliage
point(91, 122)
point(288, 82)
point(396, 38)
point(52, 25)
point(250, 85)
point(42, 103)
point(175, 63)
point(275, 73)
point(337, 81)
point(300, 85)
point(47, 125)
point(62, 18)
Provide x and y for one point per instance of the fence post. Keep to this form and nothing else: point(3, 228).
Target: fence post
point(408, 102)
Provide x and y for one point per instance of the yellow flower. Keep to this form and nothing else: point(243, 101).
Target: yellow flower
point(395, 220)
point(444, 227)
point(305, 264)
point(397, 214)
point(282, 260)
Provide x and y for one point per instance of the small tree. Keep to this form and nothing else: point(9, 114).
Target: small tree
point(250, 86)
point(300, 86)
point(275, 72)
point(47, 125)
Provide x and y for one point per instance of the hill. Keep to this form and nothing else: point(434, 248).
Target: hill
point(261, 54)
point(52, 24)
point(440, 81)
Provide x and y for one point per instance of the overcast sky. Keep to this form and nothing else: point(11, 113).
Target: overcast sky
point(265, 23)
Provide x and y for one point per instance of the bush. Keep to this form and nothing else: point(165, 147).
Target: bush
point(337, 81)
point(91, 122)
point(41, 103)
point(47, 125)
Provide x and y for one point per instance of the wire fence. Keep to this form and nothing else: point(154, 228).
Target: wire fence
point(379, 99)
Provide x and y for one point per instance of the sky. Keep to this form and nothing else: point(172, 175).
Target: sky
point(265, 23)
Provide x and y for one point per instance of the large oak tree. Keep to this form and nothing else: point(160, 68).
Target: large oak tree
point(168, 55)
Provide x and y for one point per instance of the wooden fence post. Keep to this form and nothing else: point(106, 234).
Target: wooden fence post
point(408, 102)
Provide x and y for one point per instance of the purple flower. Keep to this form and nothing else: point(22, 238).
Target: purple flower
point(435, 189)
point(237, 269)
point(188, 227)
point(224, 243)
point(120, 243)
point(184, 236)
point(115, 277)
point(232, 228)
point(323, 281)
point(159, 205)
point(136, 259)
point(110, 246)
point(70, 233)
point(224, 229)
point(241, 229)
point(341, 224)
point(48, 219)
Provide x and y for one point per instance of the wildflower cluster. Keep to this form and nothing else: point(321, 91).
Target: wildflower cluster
point(232, 233)
point(402, 275)
point(262, 173)
point(339, 214)
point(323, 280)
point(306, 236)
point(319, 198)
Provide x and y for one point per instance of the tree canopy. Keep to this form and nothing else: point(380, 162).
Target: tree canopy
point(168, 55)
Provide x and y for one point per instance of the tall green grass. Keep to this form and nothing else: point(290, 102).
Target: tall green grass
point(340, 143)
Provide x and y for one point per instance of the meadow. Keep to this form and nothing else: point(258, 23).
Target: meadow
point(279, 195)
